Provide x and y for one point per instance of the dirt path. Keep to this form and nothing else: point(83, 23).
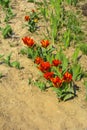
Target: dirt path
point(25, 107)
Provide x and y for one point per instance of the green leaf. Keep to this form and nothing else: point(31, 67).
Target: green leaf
point(68, 96)
point(7, 59)
point(1, 56)
point(7, 31)
point(16, 64)
point(66, 38)
point(49, 58)
point(41, 85)
point(23, 51)
point(64, 64)
point(75, 55)
point(77, 72)
point(57, 90)
point(5, 3)
point(83, 48)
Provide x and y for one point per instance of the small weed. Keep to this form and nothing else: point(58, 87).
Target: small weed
point(9, 14)
point(83, 48)
point(15, 64)
point(75, 55)
point(7, 31)
point(66, 38)
point(41, 85)
point(72, 2)
point(5, 3)
point(77, 71)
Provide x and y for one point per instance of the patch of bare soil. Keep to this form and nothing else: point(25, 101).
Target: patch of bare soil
point(25, 107)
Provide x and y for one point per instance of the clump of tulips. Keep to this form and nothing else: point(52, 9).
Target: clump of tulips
point(54, 67)
point(32, 20)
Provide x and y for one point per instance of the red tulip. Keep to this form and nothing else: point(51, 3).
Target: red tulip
point(56, 62)
point(44, 66)
point(57, 82)
point(38, 60)
point(67, 77)
point(28, 41)
point(45, 43)
point(27, 18)
point(33, 11)
point(48, 75)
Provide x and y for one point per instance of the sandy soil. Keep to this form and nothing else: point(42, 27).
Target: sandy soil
point(25, 107)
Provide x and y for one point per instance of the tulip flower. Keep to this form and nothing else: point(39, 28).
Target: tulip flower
point(38, 60)
point(48, 75)
point(45, 43)
point(57, 82)
point(56, 62)
point(67, 77)
point(28, 41)
point(27, 18)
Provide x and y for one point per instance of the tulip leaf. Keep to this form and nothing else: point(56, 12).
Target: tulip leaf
point(77, 72)
point(41, 85)
point(16, 64)
point(75, 55)
point(68, 96)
